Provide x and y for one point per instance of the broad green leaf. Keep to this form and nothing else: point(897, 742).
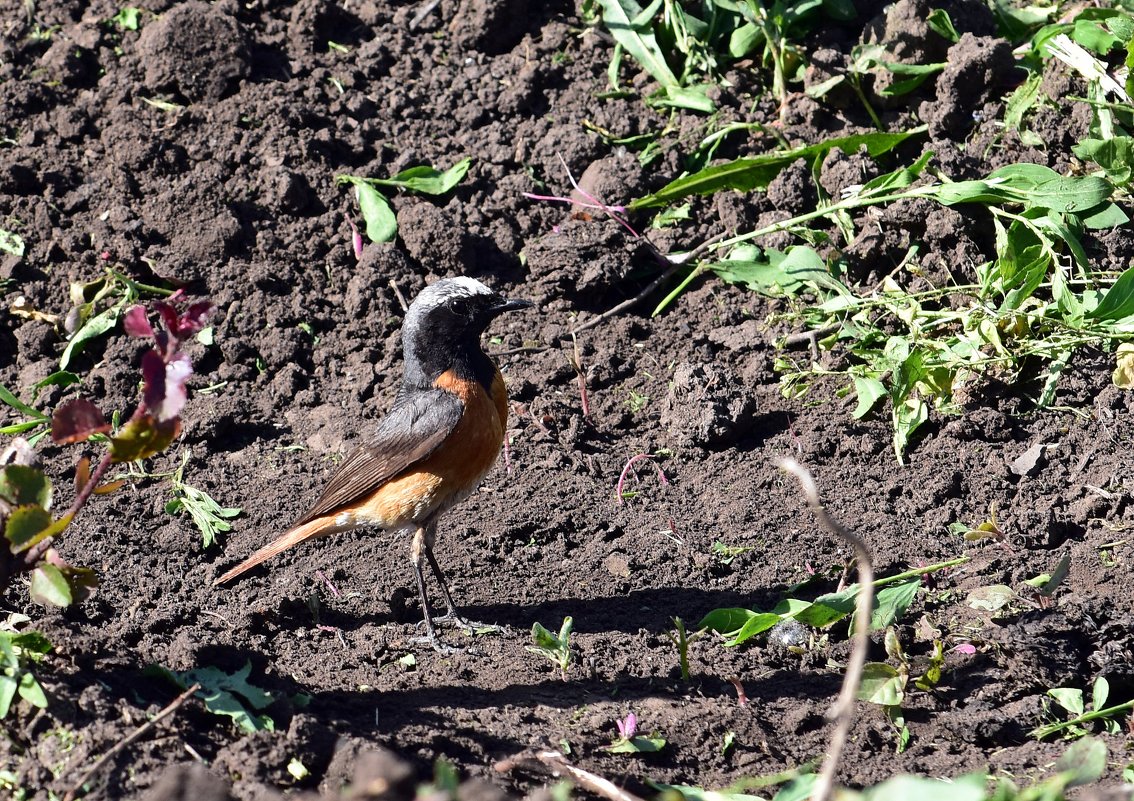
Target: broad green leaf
point(869, 392)
point(426, 179)
point(881, 684)
point(381, 222)
point(32, 692)
point(691, 793)
point(1104, 216)
point(1084, 761)
point(49, 586)
point(60, 378)
point(777, 273)
point(1118, 302)
point(637, 745)
point(908, 415)
point(941, 23)
point(727, 621)
point(757, 624)
point(907, 788)
point(693, 98)
point(226, 694)
point(24, 525)
point(142, 438)
point(1070, 698)
point(1099, 693)
point(623, 18)
point(21, 485)
point(892, 602)
point(757, 172)
point(826, 609)
point(92, 329)
point(1115, 156)
point(8, 688)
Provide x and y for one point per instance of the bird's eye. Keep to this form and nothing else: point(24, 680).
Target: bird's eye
point(459, 306)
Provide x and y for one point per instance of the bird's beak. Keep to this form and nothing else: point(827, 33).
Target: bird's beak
point(510, 305)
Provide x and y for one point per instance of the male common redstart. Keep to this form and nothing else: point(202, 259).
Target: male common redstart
point(438, 441)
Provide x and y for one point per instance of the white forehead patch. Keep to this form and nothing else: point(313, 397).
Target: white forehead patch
point(447, 288)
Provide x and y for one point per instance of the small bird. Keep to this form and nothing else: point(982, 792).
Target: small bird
point(432, 449)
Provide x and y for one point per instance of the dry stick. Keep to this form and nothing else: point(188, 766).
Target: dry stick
point(842, 712)
point(557, 764)
point(401, 298)
point(672, 265)
point(173, 706)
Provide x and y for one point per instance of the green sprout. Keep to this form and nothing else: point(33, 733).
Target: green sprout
point(556, 648)
point(381, 223)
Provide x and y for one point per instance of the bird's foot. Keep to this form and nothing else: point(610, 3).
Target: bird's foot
point(469, 627)
point(441, 648)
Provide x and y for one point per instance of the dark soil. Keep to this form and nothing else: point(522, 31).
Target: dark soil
point(233, 195)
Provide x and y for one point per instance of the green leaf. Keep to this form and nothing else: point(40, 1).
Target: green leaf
point(637, 745)
point(1115, 156)
point(142, 438)
point(881, 684)
point(869, 392)
point(21, 485)
point(941, 23)
point(777, 273)
point(50, 587)
point(908, 416)
point(93, 328)
point(1084, 762)
point(757, 624)
point(426, 179)
point(905, 788)
point(757, 172)
point(8, 688)
point(23, 526)
point(1099, 693)
point(127, 18)
point(9, 398)
point(622, 19)
point(1070, 698)
point(32, 692)
point(381, 222)
point(693, 98)
point(891, 603)
point(226, 694)
point(1118, 302)
point(727, 621)
point(60, 378)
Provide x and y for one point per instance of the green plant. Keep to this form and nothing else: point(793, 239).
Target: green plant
point(26, 494)
point(895, 595)
point(1071, 700)
point(630, 742)
point(887, 686)
point(381, 223)
point(228, 694)
point(97, 307)
point(208, 516)
point(556, 648)
point(19, 651)
point(681, 640)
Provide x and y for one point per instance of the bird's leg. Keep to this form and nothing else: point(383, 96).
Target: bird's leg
point(451, 615)
point(417, 547)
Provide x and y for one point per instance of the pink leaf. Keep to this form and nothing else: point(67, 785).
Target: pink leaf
point(137, 324)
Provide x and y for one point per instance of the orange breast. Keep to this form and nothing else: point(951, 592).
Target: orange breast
point(454, 470)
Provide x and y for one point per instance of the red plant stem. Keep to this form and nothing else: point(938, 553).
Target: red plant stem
point(90, 486)
point(573, 202)
point(583, 397)
point(626, 471)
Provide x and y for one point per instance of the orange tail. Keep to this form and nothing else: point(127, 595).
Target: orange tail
point(318, 527)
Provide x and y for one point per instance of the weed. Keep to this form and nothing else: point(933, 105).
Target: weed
point(19, 651)
point(228, 694)
point(1071, 700)
point(556, 648)
point(630, 742)
point(26, 493)
point(381, 223)
point(208, 516)
point(895, 594)
point(681, 640)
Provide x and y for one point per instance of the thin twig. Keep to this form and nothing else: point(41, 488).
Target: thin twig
point(173, 706)
point(423, 12)
point(672, 265)
point(557, 765)
point(577, 362)
point(842, 712)
point(401, 298)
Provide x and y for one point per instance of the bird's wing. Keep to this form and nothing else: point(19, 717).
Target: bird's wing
point(417, 424)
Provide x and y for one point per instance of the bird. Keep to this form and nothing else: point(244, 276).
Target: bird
point(432, 449)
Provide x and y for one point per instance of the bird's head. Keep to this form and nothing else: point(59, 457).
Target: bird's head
point(445, 321)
